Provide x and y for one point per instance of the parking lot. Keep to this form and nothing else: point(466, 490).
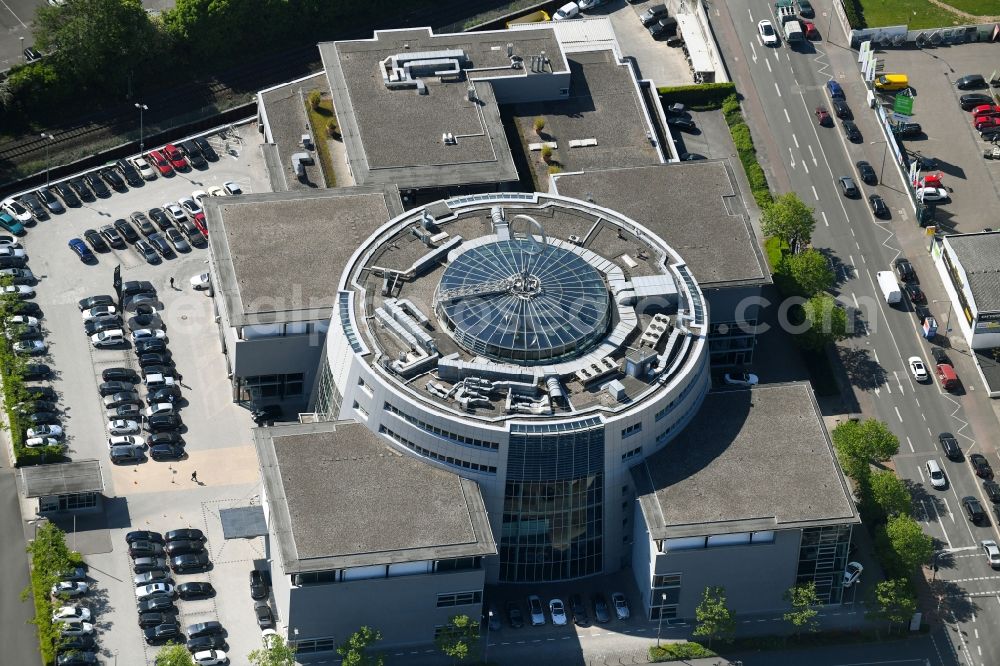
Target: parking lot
point(949, 136)
point(153, 495)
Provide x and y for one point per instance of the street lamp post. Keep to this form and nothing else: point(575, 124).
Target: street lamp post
point(885, 152)
point(486, 648)
point(47, 164)
point(659, 630)
point(141, 107)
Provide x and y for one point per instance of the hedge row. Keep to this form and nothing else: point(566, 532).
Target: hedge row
point(700, 97)
point(855, 13)
point(675, 651)
point(745, 149)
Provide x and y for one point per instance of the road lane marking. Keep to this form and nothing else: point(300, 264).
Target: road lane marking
point(791, 156)
point(853, 234)
point(794, 138)
point(875, 354)
point(789, 119)
point(815, 193)
point(912, 450)
point(751, 14)
point(777, 89)
point(13, 14)
point(929, 433)
point(815, 163)
point(753, 51)
point(805, 166)
point(768, 66)
point(898, 415)
point(826, 221)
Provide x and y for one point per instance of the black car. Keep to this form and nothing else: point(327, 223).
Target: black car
point(973, 509)
point(806, 9)
point(157, 604)
point(940, 356)
point(652, 15)
point(18, 275)
point(681, 123)
point(97, 185)
point(211, 628)
point(130, 411)
point(77, 658)
point(32, 406)
point(130, 173)
point(915, 293)
point(665, 27)
point(162, 633)
point(145, 549)
point(189, 562)
point(163, 422)
point(41, 393)
point(152, 358)
point(36, 371)
point(95, 240)
point(981, 466)
point(35, 206)
point(123, 398)
point(111, 387)
point(42, 418)
point(971, 82)
point(950, 446)
point(150, 345)
point(213, 642)
point(905, 130)
point(196, 160)
point(579, 610)
point(120, 375)
point(126, 230)
point(515, 618)
point(112, 236)
point(972, 100)
point(184, 547)
point(265, 618)
point(147, 251)
point(164, 370)
point(84, 643)
point(904, 270)
point(189, 591)
point(185, 534)
point(67, 194)
point(140, 220)
point(94, 301)
point(79, 186)
point(161, 244)
point(143, 535)
point(867, 173)
point(112, 178)
point(165, 394)
point(133, 287)
point(165, 438)
point(602, 612)
point(258, 586)
point(48, 199)
point(102, 324)
point(992, 490)
point(842, 110)
point(851, 131)
point(206, 149)
point(25, 308)
point(166, 452)
point(161, 218)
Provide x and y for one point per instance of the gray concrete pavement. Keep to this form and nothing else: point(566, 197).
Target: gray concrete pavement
point(20, 642)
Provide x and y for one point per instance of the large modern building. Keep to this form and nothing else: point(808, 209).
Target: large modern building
point(537, 344)
point(969, 265)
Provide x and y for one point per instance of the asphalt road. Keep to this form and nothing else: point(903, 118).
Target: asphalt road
point(786, 87)
point(20, 646)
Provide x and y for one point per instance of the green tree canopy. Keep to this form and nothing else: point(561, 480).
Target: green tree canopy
point(894, 602)
point(908, 541)
point(458, 638)
point(354, 651)
point(827, 322)
point(859, 444)
point(174, 655)
point(789, 219)
point(804, 602)
point(889, 493)
point(810, 272)
point(713, 617)
point(276, 652)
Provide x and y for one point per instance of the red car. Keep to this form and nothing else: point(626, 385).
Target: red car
point(175, 156)
point(160, 162)
point(199, 221)
point(985, 122)
point(823, 116)
point(810, 30)
point(986, 110)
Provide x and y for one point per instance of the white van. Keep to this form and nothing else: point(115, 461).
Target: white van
point(935, 474)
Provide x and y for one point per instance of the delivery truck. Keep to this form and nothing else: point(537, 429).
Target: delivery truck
point(890, 288)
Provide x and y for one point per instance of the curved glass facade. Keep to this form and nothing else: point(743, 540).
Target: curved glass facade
point(553, 502)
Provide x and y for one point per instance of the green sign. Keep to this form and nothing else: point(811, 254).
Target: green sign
point(903, 105)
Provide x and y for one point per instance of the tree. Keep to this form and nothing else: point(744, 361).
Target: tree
point(50, 556)
point(174, 655)
point(810, 272)
point(889, 493)
point(314, 99)
point(827, 322)
point(894, 602)
point(789, 219)
point(804, 602)
point(908, 541)
point(354, 650)
point(276, 652)
point(859, 444)
point(714, 619)
point(457, 638)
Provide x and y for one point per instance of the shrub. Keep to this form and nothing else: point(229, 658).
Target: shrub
point(331, 128)
point(676, 651)
point(855, 13)
point(546, 154)
point(701, 96)
point(314, 99)
point(539, 124)
point(741, 138)
point(555, 168)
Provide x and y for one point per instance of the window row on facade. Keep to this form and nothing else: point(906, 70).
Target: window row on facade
point(438, 432)
point(448, 460)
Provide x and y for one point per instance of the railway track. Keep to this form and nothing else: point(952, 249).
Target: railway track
point(243, 80)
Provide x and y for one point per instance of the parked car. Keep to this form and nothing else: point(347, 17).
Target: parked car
point(971, 82)
point(112, 236)
point(175, 157)
point(652, 14)
point(112, 387)
point(579, 611)
point(851, 131)
point(146, 591)
point(163, 633)
point(601, 611)
point(49, 200)
point(620, 603)
point(205, 629)
point(143, 535)
point(184, 547)
point(535, 610)
point(177, 239)
point(153, 577)
point(558, 612)
point(96, 241)
point(145, 169)
point(210, 657)
point(166, 452)
point(981, 466)
point(189, 562)
point(852, 573)
point(145, 549)
point(122, 427)
point(190, 591)
point(124, 454)
point(142, 565)
point(906, 130)
point(119, 374)
point(970, 101)
point(66, 193)
point(258, 586)
point(823, 117)
point(205, 643)
point(514, 616)
point(112, 178)
point(70, 589)
point(157, 604)
point(160, 217)
point(36, 371)
point(973, 510)
point(127, 231)
point(867, 173)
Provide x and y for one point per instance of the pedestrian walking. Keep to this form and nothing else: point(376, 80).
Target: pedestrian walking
point(172, 284)
point(194, 476)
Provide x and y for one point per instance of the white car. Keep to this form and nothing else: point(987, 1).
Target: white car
point(233, 189)
point(567, 11)
point(12, 252)
point(620, 603)
point(99, 311)
point(589, 4)
point(932, 194)
point(852, 573)
point(148, 334)
point(122, 427)
point(23, 320)
point(768, 37)
point(198, 195)
point(216, 191)
point(160, 408)
point(70, 588)
point(201, 281)
point(30, 347)
point(111, 338)
point(992, 552)
point(558, 612)
point(175, 212)
point(39, 442)
point(190, 206)
point(917, 368)
point(210, 657)
point(146, 591)
point(144, 168)
point(45, 431)
point(76, 628)
point(8, 241)
point(126, 440)
point(16, 210)
point(936, 474)
point(21, 290)
point(741, 379)
point(72, 613)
